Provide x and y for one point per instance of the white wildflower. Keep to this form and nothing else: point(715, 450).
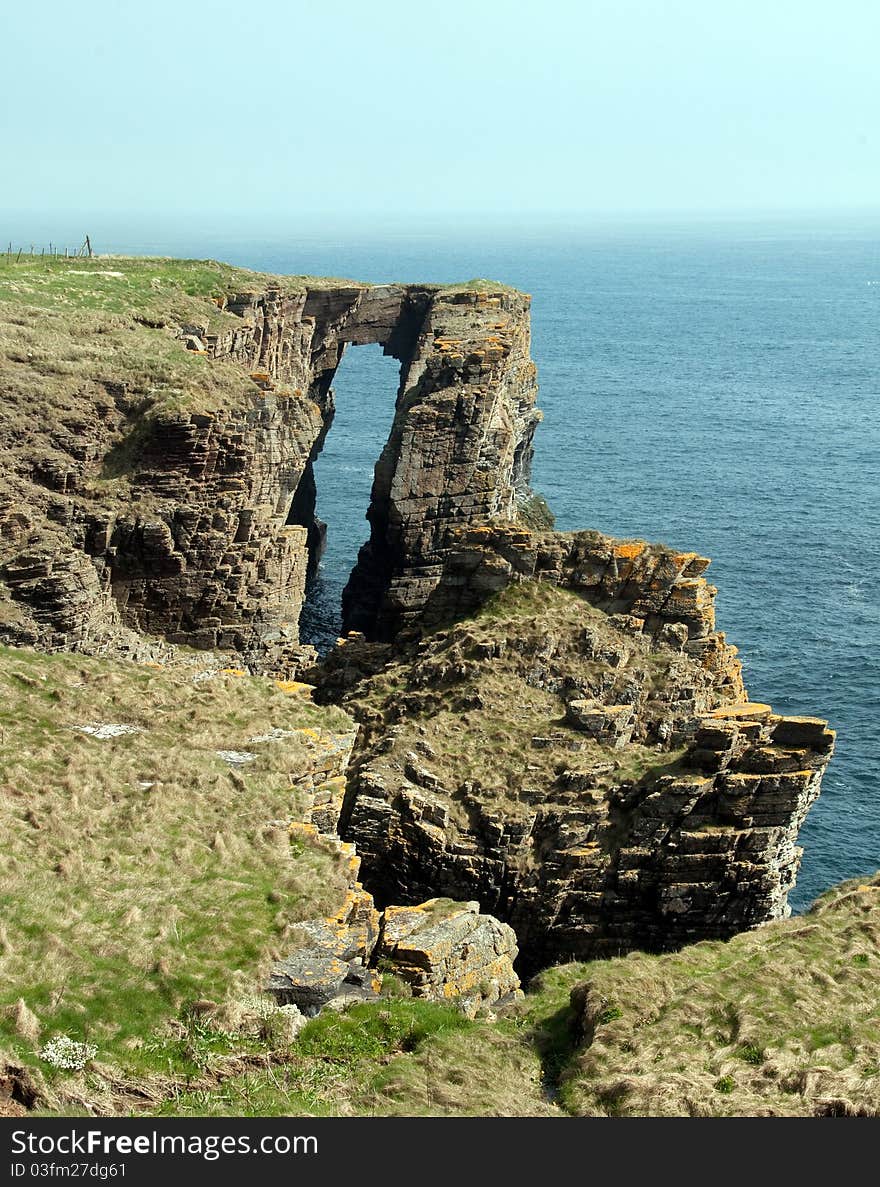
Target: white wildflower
point(66, 1053)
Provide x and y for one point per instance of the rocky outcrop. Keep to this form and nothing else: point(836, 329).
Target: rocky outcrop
point(580, 757)
point(459, 451)
point(440, 950)
point(653, 590)
point(198, 525)
point(449, 951)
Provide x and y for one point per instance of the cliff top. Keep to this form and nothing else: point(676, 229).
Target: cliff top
point(65, 322)
point(161, 285)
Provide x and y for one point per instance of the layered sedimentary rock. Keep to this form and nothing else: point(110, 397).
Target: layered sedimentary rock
point(580, 755)
point(199, 526)
point(449, 951)
point(441, 950)
point(459, 451)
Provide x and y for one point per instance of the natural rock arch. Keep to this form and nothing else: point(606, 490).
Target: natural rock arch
point(208, 543)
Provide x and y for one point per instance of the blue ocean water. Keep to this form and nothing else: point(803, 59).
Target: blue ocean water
point(711, 386)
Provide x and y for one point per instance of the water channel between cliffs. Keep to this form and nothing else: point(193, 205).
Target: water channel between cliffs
point(365, 389)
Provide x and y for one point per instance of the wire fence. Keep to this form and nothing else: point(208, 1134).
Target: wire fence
point(53, 251)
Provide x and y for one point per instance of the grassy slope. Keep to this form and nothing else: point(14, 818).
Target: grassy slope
point(137, 285)
point(65, 323)
point(487, 742)
point(121, 902)
point(123, 905)
point(781, 1021)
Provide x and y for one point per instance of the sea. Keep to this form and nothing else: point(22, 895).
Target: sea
point(711, 384)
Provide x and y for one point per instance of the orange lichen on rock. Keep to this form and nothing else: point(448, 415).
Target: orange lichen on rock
point(295, 688)
point(629, 549)
point(743, 710)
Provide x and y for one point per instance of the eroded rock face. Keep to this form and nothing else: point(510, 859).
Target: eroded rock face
point(443, 951)
point(449, 951)
point(580, 757)
point(459, 451)
point(205, 533)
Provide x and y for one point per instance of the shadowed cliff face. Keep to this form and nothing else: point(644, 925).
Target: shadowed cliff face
point(199, 525)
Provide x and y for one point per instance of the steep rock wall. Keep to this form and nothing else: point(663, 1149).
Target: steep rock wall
point(459, 452)
point(207, 533)
point(609, 785)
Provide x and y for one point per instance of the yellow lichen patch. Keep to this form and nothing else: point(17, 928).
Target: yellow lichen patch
point(333, 788)
point(232, 672)
point(629, 549)
point(295, 688)
point(301, 829)
point(744, 710)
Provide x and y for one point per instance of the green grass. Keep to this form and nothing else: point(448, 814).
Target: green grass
point(153, 288)
point(122, 902)
point(478, 284)
point(473, 699)
point(65, 324)
point(336, 1061)
point(782, 1020)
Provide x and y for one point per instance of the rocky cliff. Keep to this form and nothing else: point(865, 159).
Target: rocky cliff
point(579, 754)
point(552, 726)
point(133, 505)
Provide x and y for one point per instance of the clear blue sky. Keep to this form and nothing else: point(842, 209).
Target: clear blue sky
point(351, 110)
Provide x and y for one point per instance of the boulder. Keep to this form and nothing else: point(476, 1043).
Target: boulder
point(449, 951)
point(606, 723)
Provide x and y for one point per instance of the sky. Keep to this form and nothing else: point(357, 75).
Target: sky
point(402, 109)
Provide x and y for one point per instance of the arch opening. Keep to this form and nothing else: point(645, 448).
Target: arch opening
point(332, 498)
